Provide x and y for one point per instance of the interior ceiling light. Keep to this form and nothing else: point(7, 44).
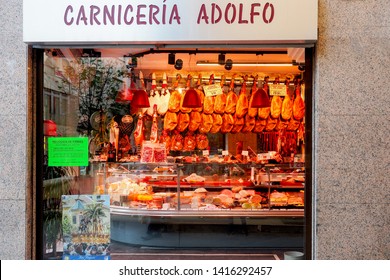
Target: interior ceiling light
point(179, 64)
point(260, 99)
point(171, 59)
point(229, 64)
point(247, 64)
point(221, 59)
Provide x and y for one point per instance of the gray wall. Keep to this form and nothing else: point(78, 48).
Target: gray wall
point(352, 124)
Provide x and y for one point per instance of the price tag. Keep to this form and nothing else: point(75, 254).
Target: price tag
point(277, 90)
point(245, 153)
point(263, 156)
point(225, 153)
point(212, 90)
point(206, 152)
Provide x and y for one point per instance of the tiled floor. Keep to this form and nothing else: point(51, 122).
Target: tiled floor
point(121, 251)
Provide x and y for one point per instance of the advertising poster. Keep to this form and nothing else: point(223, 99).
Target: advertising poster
point(86, 227)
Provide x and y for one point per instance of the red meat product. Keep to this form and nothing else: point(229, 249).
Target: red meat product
point(227, 123)
point(231, 98)
point(259, 125)
point(189, 142)
point(175, 98)
point(166, 139)
point(238, 124)
point(202, 142)
point(200, 92)
point(242, 102)
point(252, 112)
point(139, 133)
point(299, 104)
point(217, 123)
point(287, 105)
point(209, 101)
point(249, 124)
point(170, 121)
point(177, 142)
point(206, 124)
point(271, 124)
point(220, 100)
point(195, 120)
point(183, 120)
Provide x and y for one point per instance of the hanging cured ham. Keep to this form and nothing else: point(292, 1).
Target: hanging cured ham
point(259, 125)
point(252, 112)
point(139, 133)
point(209, 101)
point(217, 123)
point(281, 125)
point(227, 123)
point(165, 95)
point(154, 128)
point(271, 124)
point(287, 105)
point(206, 124)
point(170, 121)
point(249, 124)
point(293, 124)
point(175, 98)
point(200, 92)
point(231, 98)
point(299, 103)
point(238, 124)
point(276, 104)
point(242, 102)
point(195, 121)
point(220, 100)
point(183, 120)
point(263, 113)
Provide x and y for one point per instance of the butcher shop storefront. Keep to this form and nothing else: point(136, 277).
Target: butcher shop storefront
point(171, 126)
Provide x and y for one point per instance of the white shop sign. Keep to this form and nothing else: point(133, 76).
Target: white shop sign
point(185, 21)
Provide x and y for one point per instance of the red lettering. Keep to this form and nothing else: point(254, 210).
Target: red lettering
point(68, 9)
point(203, 14)
point(253, 12)
point(94, 11)
point(129, 9)
point(240, 14)
point(175, 15)
point(153, 11)
point(81, 16)
point(234, 11)
point(215, 8)
point(140, 15)
point(270, 17)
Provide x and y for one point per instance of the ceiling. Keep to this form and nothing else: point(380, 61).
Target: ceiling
point(155, 58)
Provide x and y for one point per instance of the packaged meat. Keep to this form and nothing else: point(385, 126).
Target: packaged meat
point(165, 138)
point(242, 102)
point(177, 141)
point(170, 120)
point(202, 142)
point(195, 120)
point(189, 142)
point(153, 152)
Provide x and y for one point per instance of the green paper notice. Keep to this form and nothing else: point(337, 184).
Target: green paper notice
point(68, 151)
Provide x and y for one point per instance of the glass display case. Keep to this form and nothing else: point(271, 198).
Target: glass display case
point(180, 199)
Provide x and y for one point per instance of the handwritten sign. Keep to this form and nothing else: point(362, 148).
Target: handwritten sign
point(277, 90)
point(68, 151)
